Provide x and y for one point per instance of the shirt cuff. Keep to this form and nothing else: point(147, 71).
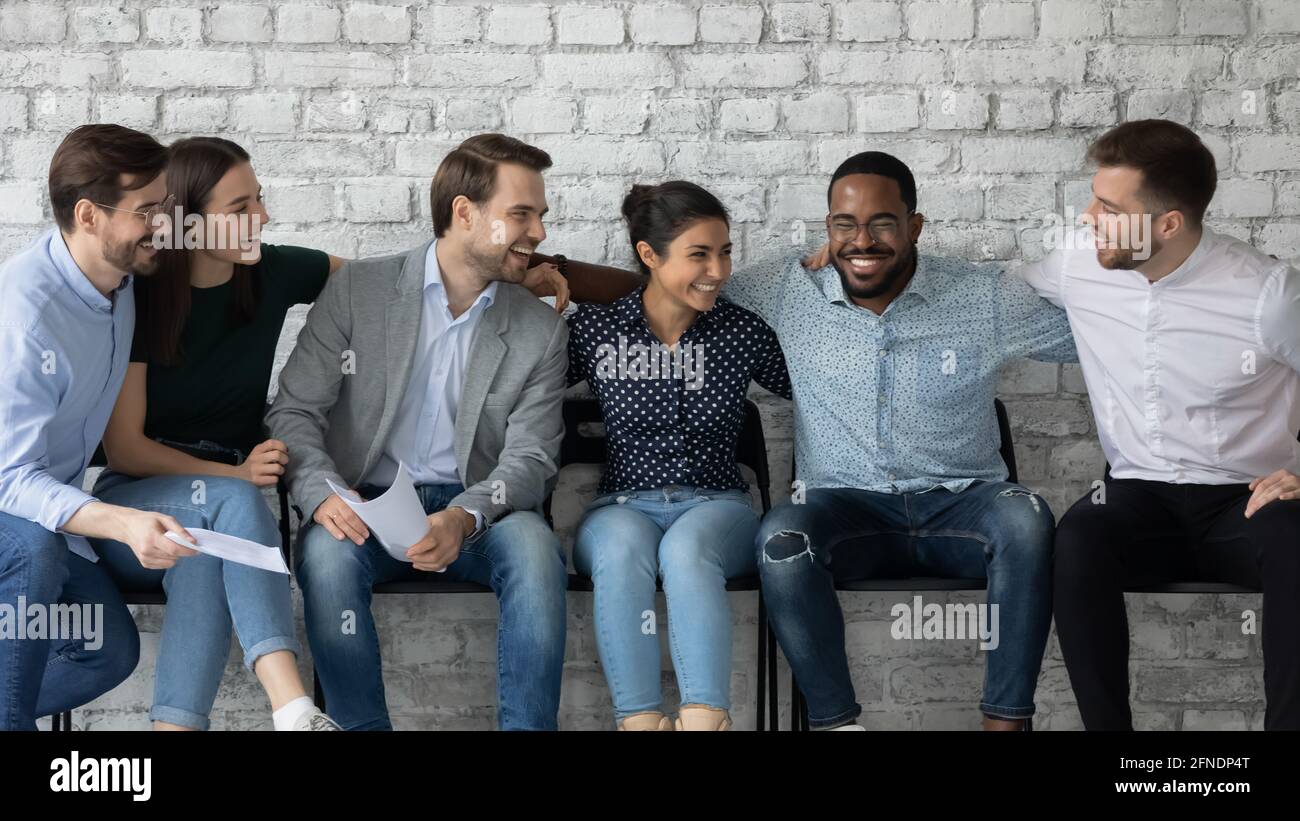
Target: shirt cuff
point(478, 522)
point(61, 505)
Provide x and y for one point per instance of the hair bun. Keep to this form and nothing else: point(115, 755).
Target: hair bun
point(636, 198)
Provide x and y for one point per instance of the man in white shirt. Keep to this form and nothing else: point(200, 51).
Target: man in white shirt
point(1189, 342)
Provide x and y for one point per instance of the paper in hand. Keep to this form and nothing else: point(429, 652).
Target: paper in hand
point(396, 517)
point(233, 549)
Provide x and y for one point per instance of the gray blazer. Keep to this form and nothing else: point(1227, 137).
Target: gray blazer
point(343, 383)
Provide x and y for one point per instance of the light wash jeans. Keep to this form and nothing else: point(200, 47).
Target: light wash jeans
point(692, 538)
point(204, 594)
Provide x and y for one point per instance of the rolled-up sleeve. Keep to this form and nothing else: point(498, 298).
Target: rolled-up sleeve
point(28, 402)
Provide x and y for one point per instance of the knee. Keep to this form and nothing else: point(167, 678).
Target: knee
point(328, 566)
point(530, 550)
point(1275, 529)
point(1081, 531)
point(784, 537)
point(684, 553)
point(237, 501)
point(121, 651)
point(618, 541)
point(1024, 525)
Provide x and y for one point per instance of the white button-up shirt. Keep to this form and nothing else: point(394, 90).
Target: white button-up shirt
point(1195, 378)
point(424, 430)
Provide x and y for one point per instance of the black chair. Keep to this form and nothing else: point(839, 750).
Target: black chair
point(63, 721)
point(583, 445)
point(798, 707)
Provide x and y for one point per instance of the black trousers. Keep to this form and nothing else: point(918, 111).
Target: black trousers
point(1152, 532)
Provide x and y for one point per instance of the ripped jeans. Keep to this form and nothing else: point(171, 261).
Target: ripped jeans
point(992, 530)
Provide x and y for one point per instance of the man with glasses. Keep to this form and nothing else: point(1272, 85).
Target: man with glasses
point(894, 359)
point(66, 320)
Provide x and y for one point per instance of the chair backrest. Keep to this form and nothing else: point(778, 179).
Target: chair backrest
point(1007, 447)
point(581, 445)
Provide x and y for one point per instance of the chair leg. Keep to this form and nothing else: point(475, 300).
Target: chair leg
point(318, 695)
point(773, 687)
point(796, 704)
point(761, 678)
point(61, 722)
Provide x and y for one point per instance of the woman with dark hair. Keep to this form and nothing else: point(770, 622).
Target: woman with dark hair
point(185, 437)
point(670, 365)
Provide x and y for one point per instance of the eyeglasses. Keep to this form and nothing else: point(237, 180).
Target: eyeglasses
point(880, 230)
point(151, 213)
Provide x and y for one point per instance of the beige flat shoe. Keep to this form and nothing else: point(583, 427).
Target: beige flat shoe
point(701, 717)
point(646, 721)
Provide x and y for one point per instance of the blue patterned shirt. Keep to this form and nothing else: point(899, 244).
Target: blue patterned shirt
point(900, 402)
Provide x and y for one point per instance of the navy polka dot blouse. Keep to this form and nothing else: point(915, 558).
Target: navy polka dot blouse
point(672, 416)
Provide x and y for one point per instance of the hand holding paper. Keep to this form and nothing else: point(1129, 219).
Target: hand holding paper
point(233, 549)
point(396, 517)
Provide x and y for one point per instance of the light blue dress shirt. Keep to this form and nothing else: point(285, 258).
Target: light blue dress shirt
point(900, 402)
point(65, 348)
point(424, 429)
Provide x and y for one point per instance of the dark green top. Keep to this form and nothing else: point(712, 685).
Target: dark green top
point(218, 390)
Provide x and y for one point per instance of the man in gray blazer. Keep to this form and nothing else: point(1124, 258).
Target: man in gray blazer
point(438, 359)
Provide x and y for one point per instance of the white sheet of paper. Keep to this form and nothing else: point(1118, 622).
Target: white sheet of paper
point(396, 517)
point(234, 549)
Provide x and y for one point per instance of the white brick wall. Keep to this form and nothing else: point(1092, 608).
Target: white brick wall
point(347, 106)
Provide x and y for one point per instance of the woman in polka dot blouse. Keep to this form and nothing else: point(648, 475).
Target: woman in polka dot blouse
point(670, 365)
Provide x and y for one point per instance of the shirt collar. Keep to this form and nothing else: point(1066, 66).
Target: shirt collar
point(1193, 259)
point(923, 282)
point(76, 279)
point(433, 279)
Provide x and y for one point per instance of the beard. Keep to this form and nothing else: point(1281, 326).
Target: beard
point(493, 265)
point(127, 255)
point(1124, 259)
point(888, 279)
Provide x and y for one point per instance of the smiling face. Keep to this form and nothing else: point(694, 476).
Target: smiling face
point(502, 233)
point(694, 266)
point(234, 214)
point(125, 238)
point(872, 237)
point(1125, 231)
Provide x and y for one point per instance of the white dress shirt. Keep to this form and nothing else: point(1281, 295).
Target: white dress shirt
point(1195, 378)
point(424, 429)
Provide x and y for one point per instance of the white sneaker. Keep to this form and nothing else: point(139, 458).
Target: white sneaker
point(315, 721)
point(854, 726)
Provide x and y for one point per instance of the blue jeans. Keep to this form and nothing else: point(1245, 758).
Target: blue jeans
point(694, 539)
point(44, 676)
point(992, 530)
point(204, 594)
point(518, 557)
